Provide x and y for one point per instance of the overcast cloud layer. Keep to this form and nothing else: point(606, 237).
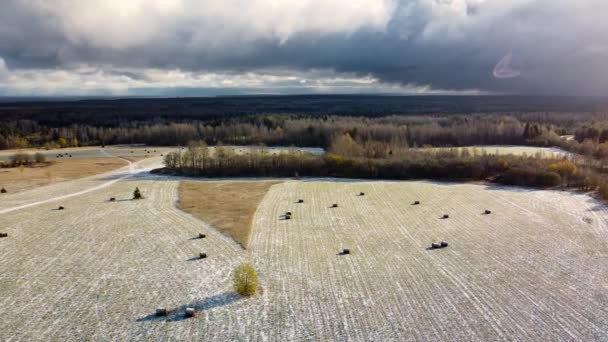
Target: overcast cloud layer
point(163, 47)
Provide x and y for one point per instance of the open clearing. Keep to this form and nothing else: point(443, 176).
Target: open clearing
point(17, 179)
point(226, 206)
point(535, 269)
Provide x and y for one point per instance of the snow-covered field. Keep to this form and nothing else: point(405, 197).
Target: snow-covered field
point(535, 269)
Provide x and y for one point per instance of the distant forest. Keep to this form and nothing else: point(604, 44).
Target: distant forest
point(366, 136)
point(311, 121)
point(113, 112)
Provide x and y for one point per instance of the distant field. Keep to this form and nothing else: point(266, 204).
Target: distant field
point(542, 152)
point(21, 179)
point(134, 152)
point(227, 206)
point(533, 270)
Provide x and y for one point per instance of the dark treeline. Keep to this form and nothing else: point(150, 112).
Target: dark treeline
point(100, 112)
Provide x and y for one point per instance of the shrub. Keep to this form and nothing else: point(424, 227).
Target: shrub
point(137, 194)
point(19, 159)
point(549, 179)
point(564, 168)
point(39, 157)
point(603, 190)
point(245, 279)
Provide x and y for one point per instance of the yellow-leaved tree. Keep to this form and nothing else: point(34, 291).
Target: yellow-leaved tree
point(245, 279)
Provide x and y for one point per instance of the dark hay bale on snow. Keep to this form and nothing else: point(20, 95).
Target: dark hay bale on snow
point(190, 312)
point(445, 216)
point(61, 208)
point(334, 205)
point(362, 194)
point(3, 235)
point(288, 213)
point(487, 212)
point(435, 245)
point(300, 201)
point(161, 312)
point(345, 251)
point(443, 244)
point(202, 236)
point(3, 190)
point(203, 255)
point(416, 202)
point(112, 199)
point(288, 217)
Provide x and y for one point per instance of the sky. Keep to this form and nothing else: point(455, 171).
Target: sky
point(228, 47)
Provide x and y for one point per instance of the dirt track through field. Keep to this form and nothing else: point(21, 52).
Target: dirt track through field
point(535, 269)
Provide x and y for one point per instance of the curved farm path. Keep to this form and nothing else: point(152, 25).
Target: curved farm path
point(535, 269)
point(77, 187)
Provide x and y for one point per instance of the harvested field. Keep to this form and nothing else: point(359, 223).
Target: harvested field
point(534, 270)
point(17, 179)
point(99, 270)
point(227, 206)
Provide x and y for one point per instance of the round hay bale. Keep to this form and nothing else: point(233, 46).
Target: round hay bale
point(435, 245)
point(201, 236)
point(346, 251)
point(445, 216)
point(3, 235)
point(112, 199)
point(190, 312)
point(288, 217)
point(300, 201)
point(487, 212)
point(61, 208)
point(160, 312)
point(416, 202)
point(334, 205)
point(443, 244)
point(362, 194)
point(3, 190)
point(203, 255)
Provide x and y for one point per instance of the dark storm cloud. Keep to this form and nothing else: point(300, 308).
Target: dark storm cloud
point(560, 46)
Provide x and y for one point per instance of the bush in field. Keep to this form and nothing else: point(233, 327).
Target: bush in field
point(39, 158)
point(245, 280)
point(137, 194)
point(19, 159)
point(603, 191)
point(549, 179)
point(564, 168)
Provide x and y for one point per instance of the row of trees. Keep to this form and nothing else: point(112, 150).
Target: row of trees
point(24, 159)
point(447, 130)
point(200, 160)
